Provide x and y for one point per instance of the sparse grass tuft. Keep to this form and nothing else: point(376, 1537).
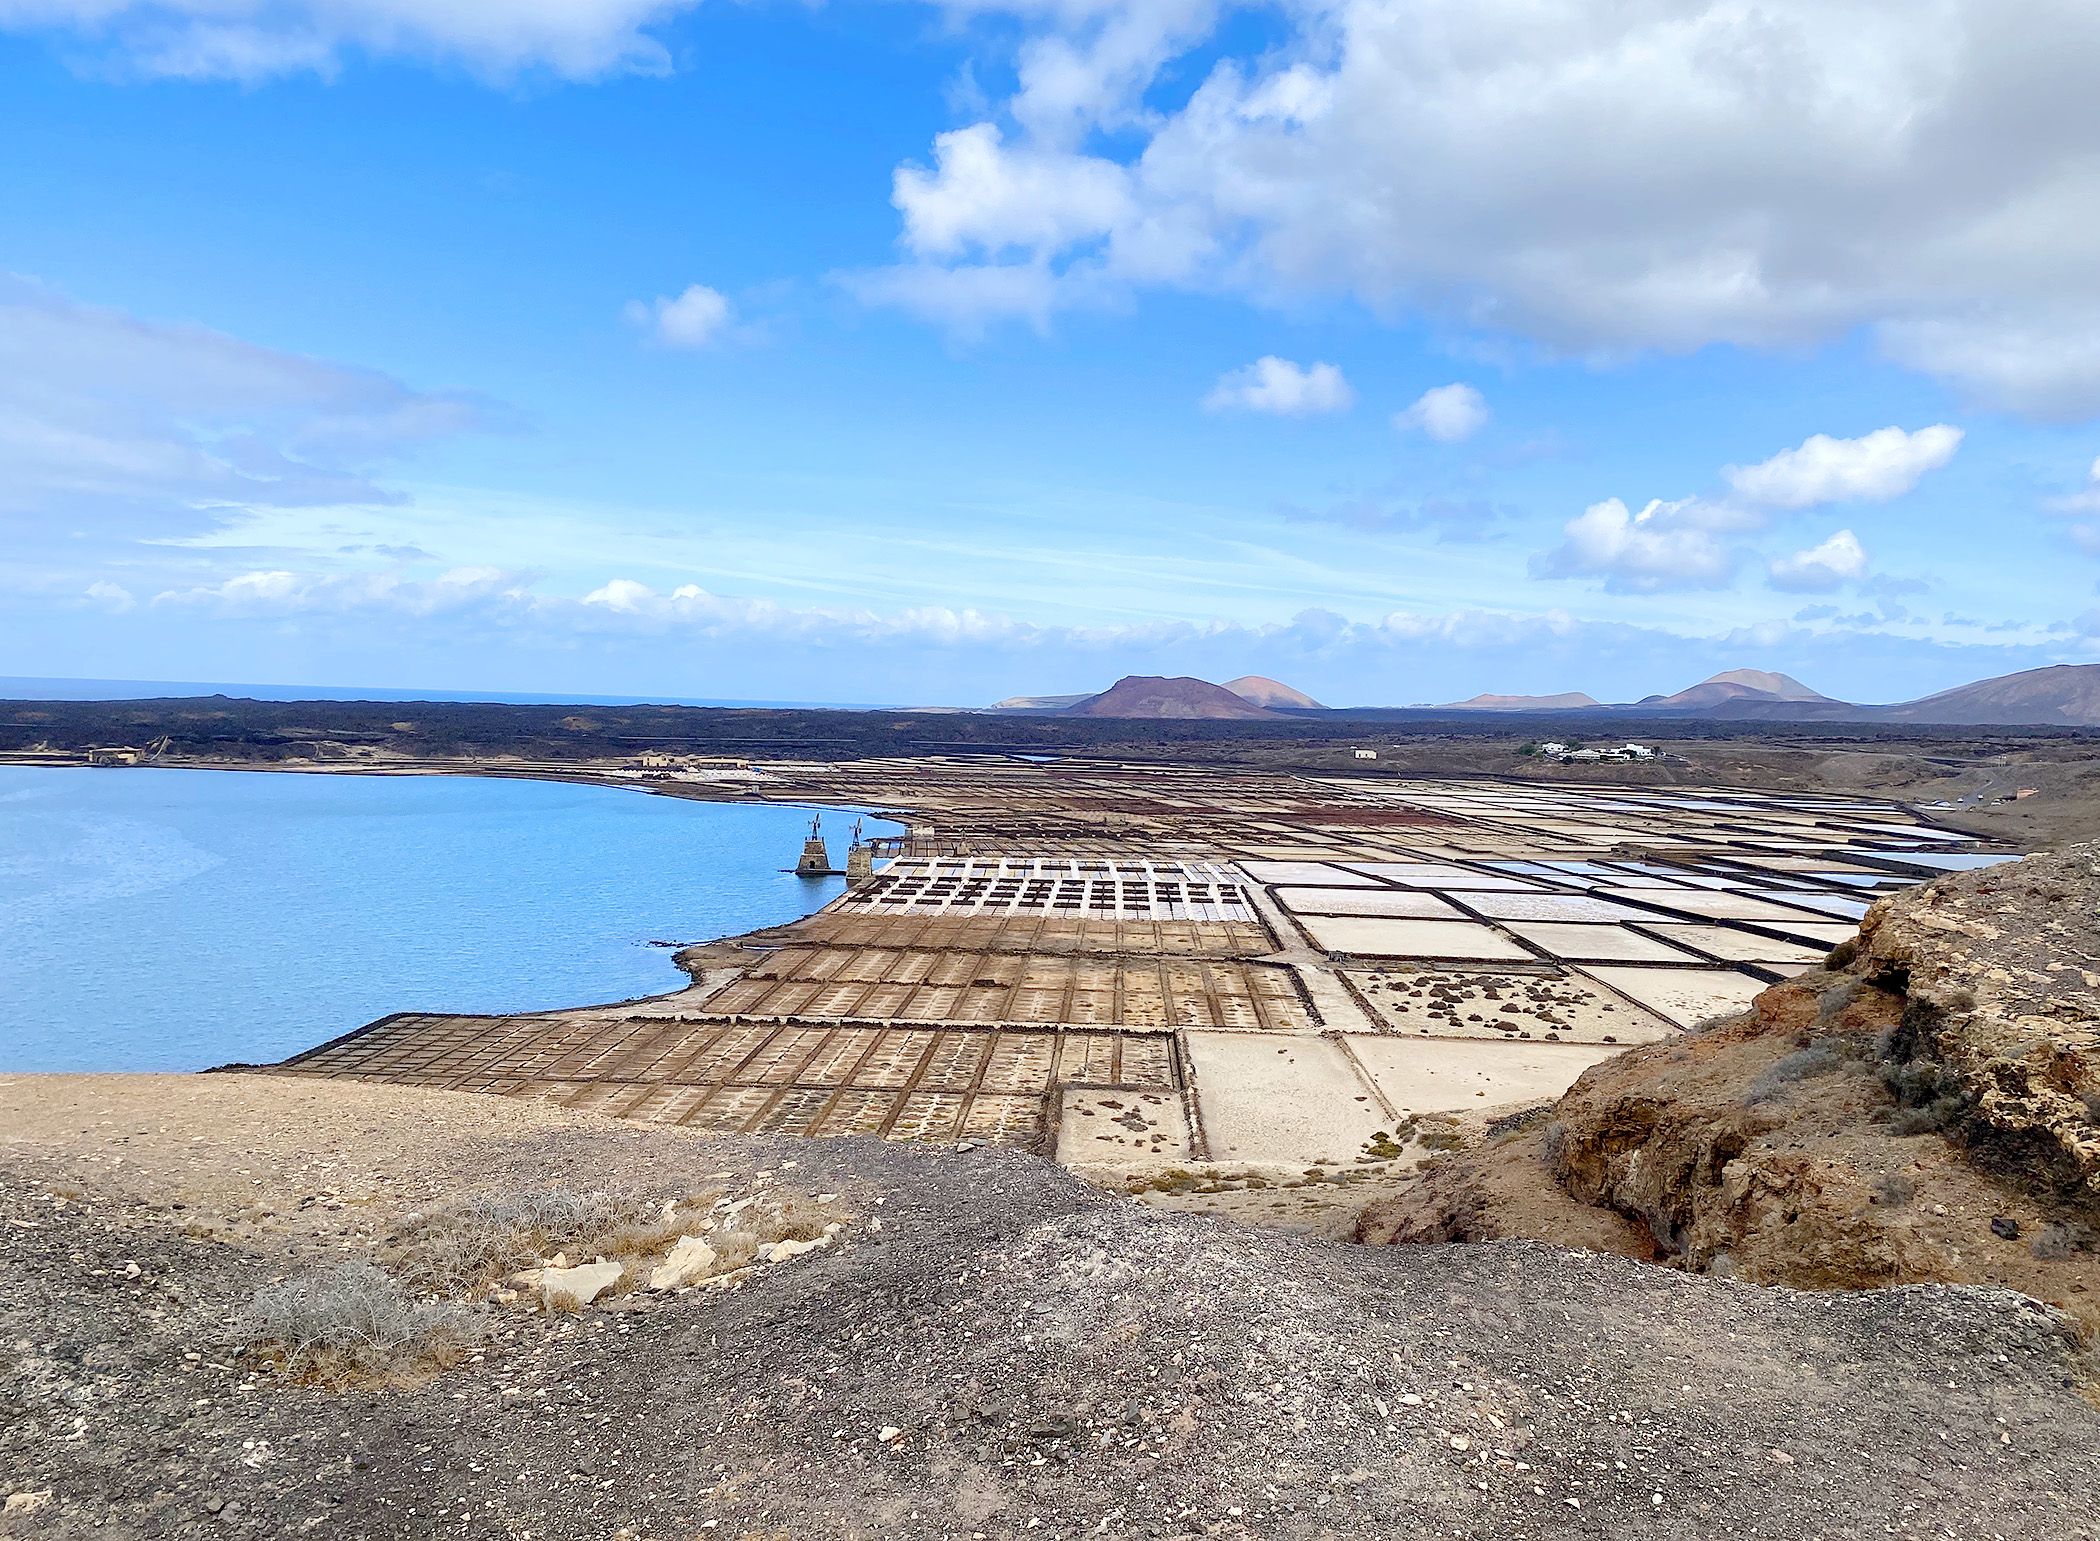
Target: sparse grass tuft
point(2054, 1243)
point(733, 1250)
point(1824, 1057)
point(1895, 1189)
point(353, 1321)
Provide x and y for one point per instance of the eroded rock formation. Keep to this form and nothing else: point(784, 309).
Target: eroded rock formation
point(1925, 1107)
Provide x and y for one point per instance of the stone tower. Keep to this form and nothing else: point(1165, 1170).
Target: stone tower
point(860, 858)
point(816, 861)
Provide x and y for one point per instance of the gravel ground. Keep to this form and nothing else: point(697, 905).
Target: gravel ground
point(1015, 1354)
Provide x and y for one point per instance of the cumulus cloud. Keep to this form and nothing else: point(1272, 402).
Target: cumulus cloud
point(1820, 569)
point(1595, 177)
point(1448, 414)
point(693, 319)
point(1875, 467)
point(120, 426)
point(984, 198)
point(1677, 546)
point(255, 39)
point(1664, 547)
point(1278, 386)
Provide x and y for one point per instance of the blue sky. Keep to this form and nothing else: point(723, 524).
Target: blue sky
point(1400, 349)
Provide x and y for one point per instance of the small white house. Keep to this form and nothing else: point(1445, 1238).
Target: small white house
point(1553, 751)
point(1367, 754)
point(1583, 756)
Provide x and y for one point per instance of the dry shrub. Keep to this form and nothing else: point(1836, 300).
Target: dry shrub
point(788, 1219)
point(350, 1321)
point(733, 1250)
point(478, 1240)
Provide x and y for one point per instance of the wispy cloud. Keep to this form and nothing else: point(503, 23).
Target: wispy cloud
point(122, 426)
point(693, 319)
point(254, 39)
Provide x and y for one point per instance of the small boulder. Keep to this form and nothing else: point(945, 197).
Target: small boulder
point(688, 1263)
point(781, 1251)
point(582, 1285)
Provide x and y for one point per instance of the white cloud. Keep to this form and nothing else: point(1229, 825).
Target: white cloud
point(2085, 502)
point(1820, 569)
point(1875, 467)
point(1448, 414)
point(982, 197)
point(112, 597)
point(1276, 385)
point(255, 39)
point(1596, 177)
point(1665, 547)
point(693, 319)
point(115, 425)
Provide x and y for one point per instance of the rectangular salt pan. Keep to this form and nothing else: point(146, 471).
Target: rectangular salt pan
point(1686, 996)
point(1379, 938)
point(1393, 903)
point(1600, 944)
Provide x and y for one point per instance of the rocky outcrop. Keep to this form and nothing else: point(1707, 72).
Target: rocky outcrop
point(1924, 1108)
point(2000, 973)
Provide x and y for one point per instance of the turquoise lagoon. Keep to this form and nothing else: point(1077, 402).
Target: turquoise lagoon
point(175, 919)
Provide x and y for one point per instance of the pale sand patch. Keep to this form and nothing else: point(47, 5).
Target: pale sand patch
point(1429, 1075)
point(225, 1145)
point(1300, 1099)
point(1121, 1129)
point(1740, 946)
point(1686, 996)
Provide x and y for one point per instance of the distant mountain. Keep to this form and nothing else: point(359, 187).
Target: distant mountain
point(1149, 695)
point(1566, 701)
point(2064, 695)
point(1038, 703)
point(1738, 685)
point(1263, 691)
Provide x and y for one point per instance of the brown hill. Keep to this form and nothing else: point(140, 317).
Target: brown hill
point(1263, 691)
point(2067, 694)
point(1150, 695)
point(1566, 701)
point(1749, 685)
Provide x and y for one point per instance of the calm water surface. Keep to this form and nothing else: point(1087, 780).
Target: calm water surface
point(174, 919)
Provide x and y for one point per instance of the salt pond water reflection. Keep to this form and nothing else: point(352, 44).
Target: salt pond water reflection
point(171, 919)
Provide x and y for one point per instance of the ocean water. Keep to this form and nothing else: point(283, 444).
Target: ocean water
point(174, 919)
